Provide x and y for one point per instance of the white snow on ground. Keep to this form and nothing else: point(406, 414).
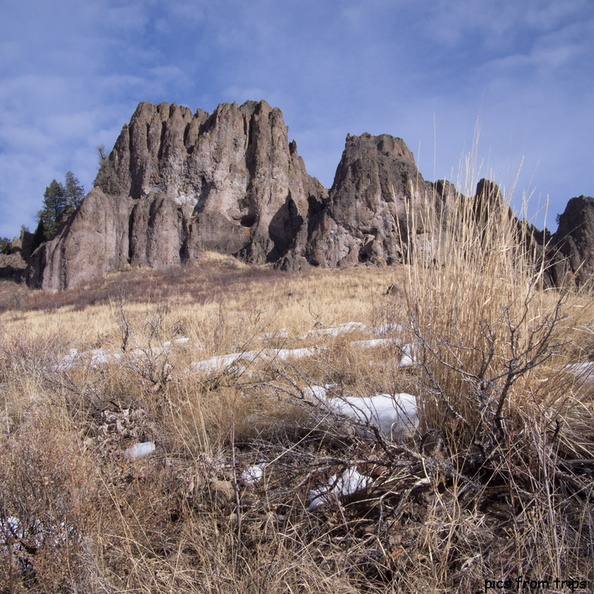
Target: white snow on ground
point(285, 354)
point(140, 450)
point(393, 414)
point(101, 356)
point(583, 370)
point(349, 483)
point(409, 355)
point(12, 526)
point(177, 341)
point(317, 392)
point(375, 342)
point(253, 474)
point(14, 532)
point(97, 357)
point(223, 361)
point(215, 364)
point(346, 328)
point(282, 333)
point(386, 329)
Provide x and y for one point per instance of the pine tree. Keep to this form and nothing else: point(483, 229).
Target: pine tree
point(60, 201)
point(74, 192)
point(107, 178)
point(54, 208)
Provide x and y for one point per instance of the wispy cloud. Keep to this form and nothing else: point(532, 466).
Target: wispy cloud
point(72, 72)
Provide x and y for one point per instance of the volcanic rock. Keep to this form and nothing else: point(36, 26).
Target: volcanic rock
point(573, 243)
point(376, 191)
point(178, 183)
point(15, 257)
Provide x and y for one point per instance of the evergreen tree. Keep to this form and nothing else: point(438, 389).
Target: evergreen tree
point(74, 192)
point(54, 208)
point(107, 179)
point(60, 201)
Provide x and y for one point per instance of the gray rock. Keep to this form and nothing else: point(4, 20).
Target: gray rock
point(373, 203)
point(572, 245)
point(177, 184)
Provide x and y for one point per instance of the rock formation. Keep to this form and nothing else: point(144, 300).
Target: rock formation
point(14, 258)
point(178, 183)
point(376, 185)
point(572, 246)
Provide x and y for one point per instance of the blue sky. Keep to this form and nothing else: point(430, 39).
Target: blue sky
point(439, 74)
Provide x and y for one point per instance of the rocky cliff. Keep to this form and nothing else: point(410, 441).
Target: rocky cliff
point(177, 183)
point(15, 256)
point(376, 185)
point(572, 246)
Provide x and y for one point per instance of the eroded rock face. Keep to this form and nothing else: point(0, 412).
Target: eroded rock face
point(375, 179)
point(373, 204)
point(14, 258)
point(178, 183)
point(92, 244)
point(572, 250)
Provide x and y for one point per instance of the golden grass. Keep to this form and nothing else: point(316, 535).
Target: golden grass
point(496, 483)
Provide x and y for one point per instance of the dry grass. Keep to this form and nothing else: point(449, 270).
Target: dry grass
point(496, 484)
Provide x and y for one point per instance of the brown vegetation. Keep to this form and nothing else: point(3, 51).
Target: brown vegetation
point(496, 483)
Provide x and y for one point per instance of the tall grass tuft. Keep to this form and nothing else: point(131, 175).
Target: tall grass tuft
point(492, 342)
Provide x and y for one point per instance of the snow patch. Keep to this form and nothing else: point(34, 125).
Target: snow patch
point(285, 354)
point(282, 333)
point(409, 355)
point(181, 340)
point(16, 535)
point(386, 329)
point(140, 450)
point(317, 392)
point(583, 370)
point(394, 415)
point(350, 482)
point(223, 361)
point(346, 328)
point(375, 342)
point(253, 474)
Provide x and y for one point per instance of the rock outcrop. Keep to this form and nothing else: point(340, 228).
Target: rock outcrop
point(178, 183)
point(376, 186)
point(572, 246)
point(15, 256)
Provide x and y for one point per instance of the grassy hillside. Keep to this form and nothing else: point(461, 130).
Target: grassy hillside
point(219, 366)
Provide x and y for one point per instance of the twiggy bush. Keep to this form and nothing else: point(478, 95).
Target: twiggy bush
point(478, 313)
point(491, 344)
point(48, 505)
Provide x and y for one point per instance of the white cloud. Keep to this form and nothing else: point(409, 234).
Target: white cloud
point(348, 66)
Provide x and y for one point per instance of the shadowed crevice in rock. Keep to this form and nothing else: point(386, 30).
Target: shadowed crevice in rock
point(284, 228)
